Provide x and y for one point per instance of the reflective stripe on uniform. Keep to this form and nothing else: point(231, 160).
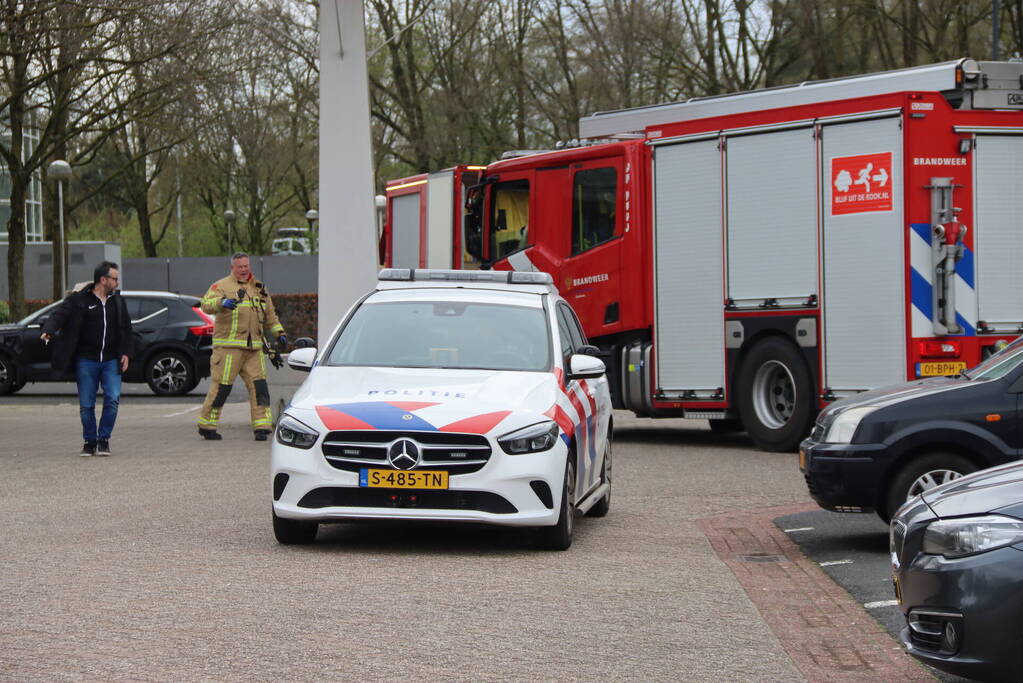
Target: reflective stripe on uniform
point(234, 323)
point(225, 378)
point(233, 343)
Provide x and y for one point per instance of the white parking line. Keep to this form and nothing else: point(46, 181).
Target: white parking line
point(182, 412)
point(881, 603)
point(832, 563)
point(802, 528)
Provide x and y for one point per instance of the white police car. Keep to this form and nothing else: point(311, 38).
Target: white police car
point(450, 396)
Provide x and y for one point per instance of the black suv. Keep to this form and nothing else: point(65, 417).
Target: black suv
point(173, 344)
point(875, 450)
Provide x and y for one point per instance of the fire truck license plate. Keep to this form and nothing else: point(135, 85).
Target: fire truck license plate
point(941, 368)
point(403, 479)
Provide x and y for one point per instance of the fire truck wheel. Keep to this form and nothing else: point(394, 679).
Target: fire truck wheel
point(776, 395)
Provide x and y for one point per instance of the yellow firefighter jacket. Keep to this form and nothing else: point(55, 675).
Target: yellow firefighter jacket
point(241, 328)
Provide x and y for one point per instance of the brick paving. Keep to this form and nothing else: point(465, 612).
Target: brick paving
point(828, 635)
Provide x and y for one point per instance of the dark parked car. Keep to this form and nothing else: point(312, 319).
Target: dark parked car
point(875, 450)
point(957, 561)
point(173, 344)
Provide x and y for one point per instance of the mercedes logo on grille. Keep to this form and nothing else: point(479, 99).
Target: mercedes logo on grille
point(403, 454)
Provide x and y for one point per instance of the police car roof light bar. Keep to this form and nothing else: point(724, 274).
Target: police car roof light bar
point(511, 277)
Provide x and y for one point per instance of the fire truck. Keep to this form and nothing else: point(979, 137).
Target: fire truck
point(749, 258)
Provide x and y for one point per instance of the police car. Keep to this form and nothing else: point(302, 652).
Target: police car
point(463, 396)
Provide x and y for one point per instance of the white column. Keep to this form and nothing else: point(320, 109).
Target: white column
point(347, 253)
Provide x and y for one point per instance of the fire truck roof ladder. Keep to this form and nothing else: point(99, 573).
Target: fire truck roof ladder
point(968, 84)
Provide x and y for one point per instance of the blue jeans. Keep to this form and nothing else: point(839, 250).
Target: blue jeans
point(90, 375)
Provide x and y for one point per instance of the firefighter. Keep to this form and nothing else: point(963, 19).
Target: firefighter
point(244, 313)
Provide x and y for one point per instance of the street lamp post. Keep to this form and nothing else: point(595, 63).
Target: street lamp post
point(60, 171)
point(312, 215)
point(229, 219)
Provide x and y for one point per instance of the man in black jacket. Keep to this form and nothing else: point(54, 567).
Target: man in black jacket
point(92, 338)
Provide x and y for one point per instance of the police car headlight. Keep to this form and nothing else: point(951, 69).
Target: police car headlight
point(291, 432)
point(532, 439)
point(969, 535)
point(844, 426)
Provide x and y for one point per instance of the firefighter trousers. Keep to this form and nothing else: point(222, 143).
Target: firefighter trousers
point(225, 365)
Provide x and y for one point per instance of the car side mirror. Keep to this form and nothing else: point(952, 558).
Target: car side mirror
point(582, 366)
point(590, 350)
point(304, 343)
point(302, 359)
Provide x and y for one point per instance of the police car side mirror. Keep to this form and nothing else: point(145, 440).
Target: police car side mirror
point(304, 343)
point(302, 359)
point(585, 367)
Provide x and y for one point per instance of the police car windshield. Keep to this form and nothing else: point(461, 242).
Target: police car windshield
point(445, 334)
point(1000, 363)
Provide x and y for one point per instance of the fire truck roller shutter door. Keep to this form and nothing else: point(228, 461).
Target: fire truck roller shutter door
point(440, 212)
point(864, 259)
point(772, 217)
point(689, 322)
point(998, 164)
point(405, 230)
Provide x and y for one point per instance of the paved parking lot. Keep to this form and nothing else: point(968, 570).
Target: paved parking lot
point(159, 563)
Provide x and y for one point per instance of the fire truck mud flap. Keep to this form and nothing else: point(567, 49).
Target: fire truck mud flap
point(776, 396)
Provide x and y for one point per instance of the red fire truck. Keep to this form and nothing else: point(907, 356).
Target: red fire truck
point(748, 258)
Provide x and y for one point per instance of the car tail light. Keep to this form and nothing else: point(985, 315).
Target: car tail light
point(939, 349)
point(204, 330)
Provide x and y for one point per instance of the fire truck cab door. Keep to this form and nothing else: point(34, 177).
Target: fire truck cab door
point(590, 274)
